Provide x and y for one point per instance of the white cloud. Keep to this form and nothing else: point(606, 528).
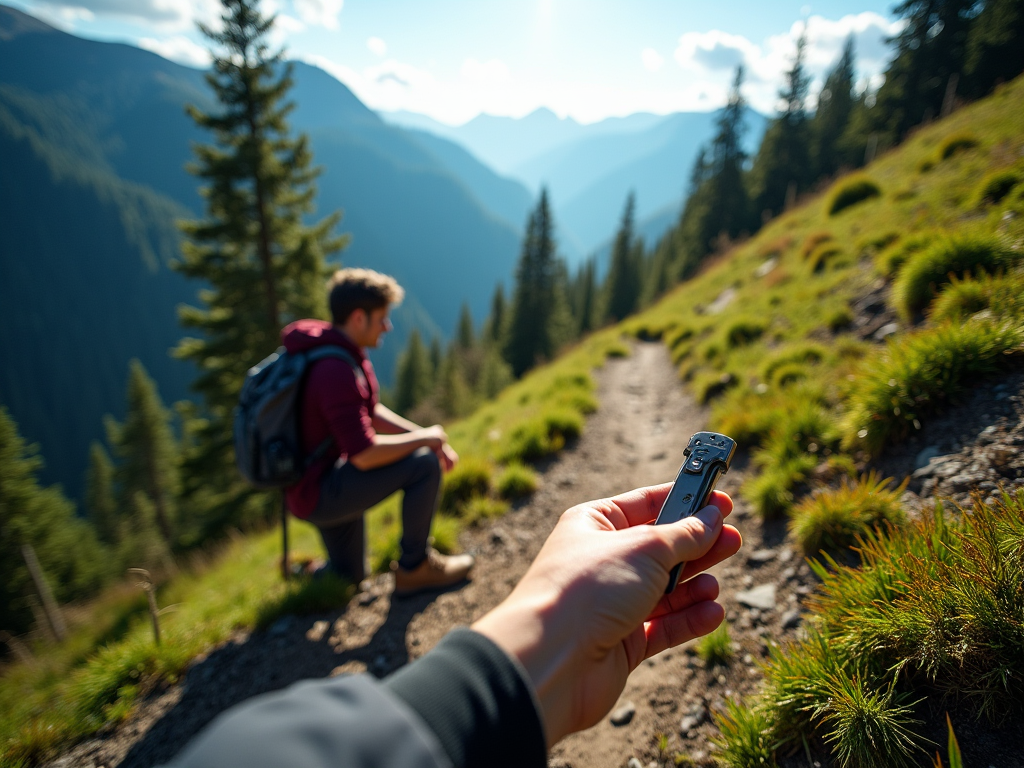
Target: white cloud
point(170, 15)
point(178, 48)
point(377, 46)
point(319, 13)
point(486, 72)
point(713, 56)
point(652, 60)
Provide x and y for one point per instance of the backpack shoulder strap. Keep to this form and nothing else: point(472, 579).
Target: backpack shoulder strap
point(340, 353)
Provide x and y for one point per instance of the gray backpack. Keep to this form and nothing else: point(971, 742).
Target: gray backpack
point(268, 434)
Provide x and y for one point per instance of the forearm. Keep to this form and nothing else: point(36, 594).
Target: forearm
point(388, 422)
point(387, 449)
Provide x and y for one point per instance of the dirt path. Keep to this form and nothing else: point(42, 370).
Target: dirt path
point(635, 439)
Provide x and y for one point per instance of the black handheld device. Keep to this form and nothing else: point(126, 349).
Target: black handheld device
point(706, 458)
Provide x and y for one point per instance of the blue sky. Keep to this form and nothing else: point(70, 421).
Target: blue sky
point(452, 59)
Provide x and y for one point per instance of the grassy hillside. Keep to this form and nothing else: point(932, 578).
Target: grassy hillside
point(769, 333)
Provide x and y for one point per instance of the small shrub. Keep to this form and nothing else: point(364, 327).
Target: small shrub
point(470, 477)
point(839, 319)
point(716, 647)
point(483, 508)
point(712, 384)
point(961, 255)
point(806, 429)
point(920, 373)
point(1001, 295)
point(806, 353)
point(996, 186)
point(745, 737)
point(895, 256)
point(771, 492)
point(677, 336)
point(744, 331)
point(958, 142)
point(813, 241)
point(926, 165)
point(305, 595)
point(822, 255)
point(617, 349)
point(790, 373)
point(516, 480)
point(834, 519)
point(851, 191)
point(875, 243)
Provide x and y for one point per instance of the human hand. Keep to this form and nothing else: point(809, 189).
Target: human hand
point(592, 606)
point(434, 438)
point(448, 457)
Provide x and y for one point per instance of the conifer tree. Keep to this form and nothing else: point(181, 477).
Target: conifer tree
point(495, 328)
point(452, 394)
point(835, 105)
point(413, 379)
point(436, 357)
point(72, 559)
point(623, 281)
point(100, 499)
point(585, 292)
point(995, 46)
point(465, 336)
point(261, 264)
point(147, 452)
point(782, 166)
point(537, 326)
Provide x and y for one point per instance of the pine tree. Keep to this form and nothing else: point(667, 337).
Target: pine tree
point(495, 328)
point(623, 281)
point(147, 452)
point(465, 336)
point(995, 46)
point(100, 500)
point(452, 394)
point(261, 264)
point(930, 55)
point(782, 166)
point(835, 105)
point(72, 559)
point(414, 376)
point(585, 308)
point(436, 357)
point(539, 314)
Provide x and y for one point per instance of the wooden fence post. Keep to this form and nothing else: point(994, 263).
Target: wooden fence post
point(50, 608)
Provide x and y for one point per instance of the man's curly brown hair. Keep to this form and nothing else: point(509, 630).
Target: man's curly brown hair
point(352, 289)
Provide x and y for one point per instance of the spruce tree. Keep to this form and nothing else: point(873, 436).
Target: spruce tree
point(72, 559)
point(147, 452)
point(261, 265)
point(623, 281)
point(540, 320)
point(586, 297)
point(835, 105)
point(495, 328)
point(782, 166)
point(995, 46)
point(465, 336)
point(414, 376)
point(100, 498)
point(436, 356)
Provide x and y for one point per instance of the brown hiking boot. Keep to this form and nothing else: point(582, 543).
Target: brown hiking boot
point(435, 571)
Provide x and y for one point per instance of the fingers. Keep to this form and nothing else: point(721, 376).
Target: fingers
point(728, 544)
point(696, 590)
point(673, 629)
point(641, 506)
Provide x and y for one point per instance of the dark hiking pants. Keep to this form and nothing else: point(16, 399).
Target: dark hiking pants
point(346, 493)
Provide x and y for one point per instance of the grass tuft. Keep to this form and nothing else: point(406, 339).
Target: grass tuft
point(891, 259)
point(516, 481)
point(996, 186)
point(958, 142)
point(850, 191)
point(746, 737)
point(836, 519)
point(960, 254)
point(471, 477)
point(716, 647)
point(744, 331)
point(483, 508)
point(921, 373)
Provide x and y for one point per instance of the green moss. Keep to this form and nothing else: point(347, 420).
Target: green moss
point(851, 191)
point(958, 142)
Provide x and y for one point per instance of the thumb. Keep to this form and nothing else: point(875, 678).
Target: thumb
point(691, 537)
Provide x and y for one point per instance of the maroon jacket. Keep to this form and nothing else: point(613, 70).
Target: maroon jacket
point(334, 403)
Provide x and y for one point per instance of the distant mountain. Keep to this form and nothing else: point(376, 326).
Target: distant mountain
point(94, 138)
point(589, 169)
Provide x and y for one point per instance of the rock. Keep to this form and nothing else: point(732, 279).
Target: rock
point(366, 598)
point(761, 597)
point(622, 715)
point(280, 627)
point(761, 556)
point(724, 300)
point(499, 537)
point(791, 619)
point(886, 331)
point(789, 573)
point(785, 555)
point(316, 633)
point(766, 267)
point(925, 456)
point(634, 763)
point(687, 724)
point(748, 581)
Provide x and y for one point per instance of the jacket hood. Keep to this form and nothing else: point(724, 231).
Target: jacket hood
point(308, 334)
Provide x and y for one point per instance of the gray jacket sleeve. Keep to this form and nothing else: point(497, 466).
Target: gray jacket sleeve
point(463, 704)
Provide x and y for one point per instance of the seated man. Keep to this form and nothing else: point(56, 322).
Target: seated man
point(374, 452)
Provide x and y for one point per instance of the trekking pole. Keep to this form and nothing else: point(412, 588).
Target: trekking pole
point(285, 567)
